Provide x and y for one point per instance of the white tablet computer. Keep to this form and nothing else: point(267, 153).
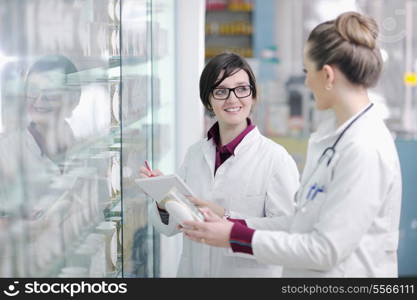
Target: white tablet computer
point(180, 208)
point(170, 186)
point(157, 187)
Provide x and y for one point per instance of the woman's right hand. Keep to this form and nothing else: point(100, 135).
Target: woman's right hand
point(217, 209)
point(145, 173)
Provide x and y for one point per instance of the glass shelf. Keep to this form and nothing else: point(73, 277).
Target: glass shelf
point(81, 109)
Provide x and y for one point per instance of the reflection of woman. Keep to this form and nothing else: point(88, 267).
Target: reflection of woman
point(30, 162)
point(237, 171)
point(52, 92)
point(348, 206)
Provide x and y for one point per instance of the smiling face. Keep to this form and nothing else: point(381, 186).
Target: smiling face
point(48, 101)
point(233, 111)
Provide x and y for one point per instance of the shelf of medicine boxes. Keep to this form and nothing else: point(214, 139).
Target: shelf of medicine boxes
point(235, 28)
point(131, 128)
point(234, 7)
point(55, 265)
point(245, 52)
point(54, 205)
point(100, 145)
point(229, 30)
point(115, 73)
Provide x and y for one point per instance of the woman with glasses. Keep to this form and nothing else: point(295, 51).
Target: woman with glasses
point(236, 170)
point(43, 137)
point(348, 206)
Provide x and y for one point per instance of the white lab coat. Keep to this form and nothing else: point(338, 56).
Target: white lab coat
point(260, 180)
point(350, 229)
point(25, 181)
point(21, 158)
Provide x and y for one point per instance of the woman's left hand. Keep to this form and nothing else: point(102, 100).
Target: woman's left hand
point(217, 209)
point(215, 231)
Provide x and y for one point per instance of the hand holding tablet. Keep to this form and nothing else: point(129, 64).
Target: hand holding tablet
point(180, 208)
point(170, 191)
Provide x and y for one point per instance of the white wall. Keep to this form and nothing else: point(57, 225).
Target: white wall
point(190, 18)
point(189, 64)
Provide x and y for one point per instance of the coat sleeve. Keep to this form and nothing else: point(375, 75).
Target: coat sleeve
point(169, 229)
point(155, 219)
point(354, 197)
point(281, 188)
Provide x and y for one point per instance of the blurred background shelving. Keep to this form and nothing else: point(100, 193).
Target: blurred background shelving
point(229, 27)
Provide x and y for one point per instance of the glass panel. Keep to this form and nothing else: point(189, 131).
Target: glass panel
point(82, 107)
point(147, 122)
point(136, 134)
point(163, 100)
point(60, 138)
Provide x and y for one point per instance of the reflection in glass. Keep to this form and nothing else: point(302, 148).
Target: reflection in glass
point(63, 102)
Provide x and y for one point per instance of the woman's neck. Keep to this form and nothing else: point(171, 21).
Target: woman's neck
point(229, 132)
point(52, 140)
point(349, 104)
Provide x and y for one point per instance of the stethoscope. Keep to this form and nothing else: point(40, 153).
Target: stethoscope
point(329, 153)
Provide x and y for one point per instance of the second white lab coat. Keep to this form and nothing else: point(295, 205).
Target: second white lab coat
point(259, 180)
point(350, 229)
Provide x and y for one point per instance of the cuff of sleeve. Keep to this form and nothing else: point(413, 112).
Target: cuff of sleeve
point(163, 214)
point(160, 209)
point(241, 238)
point(240, 221)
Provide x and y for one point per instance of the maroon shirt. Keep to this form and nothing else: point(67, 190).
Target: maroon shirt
point(224, 152)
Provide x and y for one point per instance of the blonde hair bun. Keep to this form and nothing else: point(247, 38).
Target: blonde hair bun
point(357, 29)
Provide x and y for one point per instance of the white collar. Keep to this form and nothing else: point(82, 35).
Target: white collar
point(327, 128)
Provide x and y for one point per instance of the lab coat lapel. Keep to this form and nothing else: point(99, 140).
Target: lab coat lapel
point(209, 151)
point(248, 140)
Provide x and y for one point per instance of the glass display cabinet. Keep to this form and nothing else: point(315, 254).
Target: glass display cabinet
point(86, 96)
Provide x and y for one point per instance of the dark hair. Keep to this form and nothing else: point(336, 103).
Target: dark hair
point(349, 42)
point(230, 63)
point(61, 64)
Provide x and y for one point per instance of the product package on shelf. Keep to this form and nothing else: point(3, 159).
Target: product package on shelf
point(108, 229)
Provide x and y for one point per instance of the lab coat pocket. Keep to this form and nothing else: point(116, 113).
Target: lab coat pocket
point(252, 205)
point(246, 265)
point(241, 260)
point(308, 214)
point(313, 205)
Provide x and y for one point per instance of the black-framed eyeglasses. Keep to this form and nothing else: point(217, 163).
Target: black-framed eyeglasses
point(47, 95)
point(239, 91)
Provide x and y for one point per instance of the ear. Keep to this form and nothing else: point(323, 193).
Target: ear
point(330, 75)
